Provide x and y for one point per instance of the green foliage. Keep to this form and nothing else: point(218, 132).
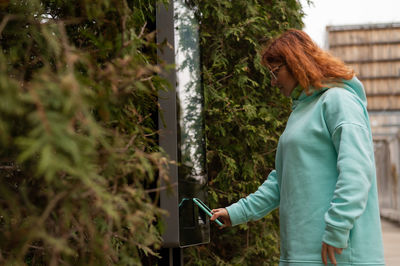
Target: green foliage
point(244, 119)
point(78, 86)
point(79, 83)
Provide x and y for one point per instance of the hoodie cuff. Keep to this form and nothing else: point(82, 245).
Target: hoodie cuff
point(335, 236)
point(236, 214)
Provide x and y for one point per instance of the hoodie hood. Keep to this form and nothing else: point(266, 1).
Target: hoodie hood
point(353, 85)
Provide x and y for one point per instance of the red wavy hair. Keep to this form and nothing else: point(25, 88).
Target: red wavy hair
point(311, 66)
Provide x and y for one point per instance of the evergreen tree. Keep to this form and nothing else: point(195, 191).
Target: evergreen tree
point(78, 83)
point(244, 119)
point(79, 158)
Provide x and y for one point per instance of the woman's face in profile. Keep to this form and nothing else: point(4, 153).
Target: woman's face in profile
point(282, 78)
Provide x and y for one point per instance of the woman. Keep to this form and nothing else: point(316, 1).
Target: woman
point(324, 182)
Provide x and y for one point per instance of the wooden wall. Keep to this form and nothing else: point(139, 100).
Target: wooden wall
point(373, 51)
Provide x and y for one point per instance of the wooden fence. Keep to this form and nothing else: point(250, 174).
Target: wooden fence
point(373, 51)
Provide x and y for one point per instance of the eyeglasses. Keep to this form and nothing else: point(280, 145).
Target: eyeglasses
point(274, 72)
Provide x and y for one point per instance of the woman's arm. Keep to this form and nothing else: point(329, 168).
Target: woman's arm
point(351, 137)
point(258, 204)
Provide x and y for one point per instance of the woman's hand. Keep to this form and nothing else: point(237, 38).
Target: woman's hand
point(223, 215)
point(330, 250)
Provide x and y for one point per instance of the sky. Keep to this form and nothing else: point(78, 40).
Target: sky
point(324, 13)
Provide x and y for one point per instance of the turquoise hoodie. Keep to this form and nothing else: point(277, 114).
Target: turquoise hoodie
point(324, 182)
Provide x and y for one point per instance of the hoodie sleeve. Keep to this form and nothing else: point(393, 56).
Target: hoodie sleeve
point(258, 204)
point(348, 125)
